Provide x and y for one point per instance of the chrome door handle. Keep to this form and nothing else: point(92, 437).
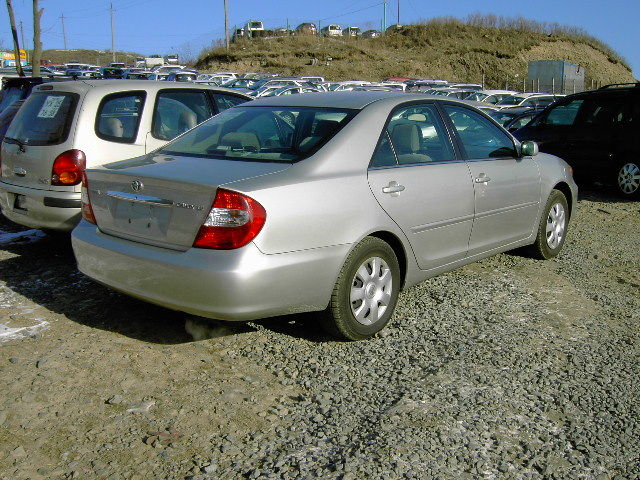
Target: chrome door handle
point(393, 187)
point(482, 179)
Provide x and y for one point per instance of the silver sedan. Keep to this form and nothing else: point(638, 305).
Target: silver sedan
point(328, 202)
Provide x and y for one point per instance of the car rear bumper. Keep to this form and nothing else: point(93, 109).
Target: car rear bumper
point(242, 284)
point(40, 208)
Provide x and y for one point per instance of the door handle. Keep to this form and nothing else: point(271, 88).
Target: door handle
point(482, 178)
point(393, 188)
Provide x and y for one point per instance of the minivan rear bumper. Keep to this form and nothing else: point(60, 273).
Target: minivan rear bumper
point(241, 284)
point(46, 209)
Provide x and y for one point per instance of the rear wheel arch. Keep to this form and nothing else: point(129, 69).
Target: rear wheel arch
point(394, 242)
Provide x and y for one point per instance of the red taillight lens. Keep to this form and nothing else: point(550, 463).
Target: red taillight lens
point(234, 220)
point(87, 211)
point(68, 168)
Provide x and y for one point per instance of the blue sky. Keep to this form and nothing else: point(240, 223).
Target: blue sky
point(186, 26)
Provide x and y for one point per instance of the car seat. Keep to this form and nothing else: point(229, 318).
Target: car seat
point(406, 139)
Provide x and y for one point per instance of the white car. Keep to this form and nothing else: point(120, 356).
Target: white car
point(65, 127)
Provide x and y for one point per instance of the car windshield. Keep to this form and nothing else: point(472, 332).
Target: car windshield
point(270, 134)
point(10, 95)
point(477, 97)
point(511, 100)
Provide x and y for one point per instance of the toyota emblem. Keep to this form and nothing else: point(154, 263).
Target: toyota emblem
point(137, 185)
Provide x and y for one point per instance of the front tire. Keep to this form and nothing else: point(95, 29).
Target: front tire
point(628, 180)
point(365, 293)
point(553, 227)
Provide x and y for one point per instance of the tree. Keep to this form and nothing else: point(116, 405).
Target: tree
point(16, 45)
point(37, 44)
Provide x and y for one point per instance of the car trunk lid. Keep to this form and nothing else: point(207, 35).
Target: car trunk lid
point(163, 200)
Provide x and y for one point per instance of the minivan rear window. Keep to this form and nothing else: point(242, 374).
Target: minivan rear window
point(270, 134)
point(44, 119)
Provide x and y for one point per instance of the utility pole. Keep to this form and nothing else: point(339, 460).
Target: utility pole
point(384, 16)
point(14, 33)
point(64, 32)
point(37, 44)
point(113, 42)
point(398, 12)
point(226, 25)
point(24, 45)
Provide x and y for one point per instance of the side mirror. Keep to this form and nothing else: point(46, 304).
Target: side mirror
point(529, 148)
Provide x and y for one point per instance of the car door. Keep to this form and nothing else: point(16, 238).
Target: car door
point(423, 186)
point(506, 187)
point(175, 111)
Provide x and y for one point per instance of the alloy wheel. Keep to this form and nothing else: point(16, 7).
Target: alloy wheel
point(629, 178)
point(556, 225)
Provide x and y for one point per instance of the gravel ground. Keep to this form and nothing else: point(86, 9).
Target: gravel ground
point(509, 368)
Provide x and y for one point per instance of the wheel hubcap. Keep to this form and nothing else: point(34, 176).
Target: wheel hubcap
point(629, 178)
point(556, 223)
point(371, 291)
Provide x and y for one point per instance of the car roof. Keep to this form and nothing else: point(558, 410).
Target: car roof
point(355, 100)
point(117, 85)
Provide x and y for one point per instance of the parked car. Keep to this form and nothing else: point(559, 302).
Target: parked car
point(182, 76)
point(329, 202)
point(158, 77)
point(332, 30)
point(370, 34)
point(595, 132)
point(534, 100)
point(351, 32)
point(289, 91)
point(306, 29)
point(490, 96)
point(112, 72)
point(64, 126)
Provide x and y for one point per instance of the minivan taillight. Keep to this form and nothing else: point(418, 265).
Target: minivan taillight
point(87, 211)
point(234, 220)
point(68, 168)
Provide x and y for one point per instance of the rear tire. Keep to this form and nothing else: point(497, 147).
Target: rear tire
point(628, 180)
point(365, 293)
point(553, 227)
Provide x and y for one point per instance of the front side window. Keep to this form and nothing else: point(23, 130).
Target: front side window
point(272, 134)
point(44, 118)
point(480, 137)
point(605, 111)
point(118, 117)
point(178, 111)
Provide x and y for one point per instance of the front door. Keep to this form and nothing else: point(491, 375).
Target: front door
point(506, 188)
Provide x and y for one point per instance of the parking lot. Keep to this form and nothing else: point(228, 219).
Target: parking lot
point(507, 368)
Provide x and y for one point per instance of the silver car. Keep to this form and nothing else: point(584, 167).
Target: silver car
point(64, 127)
point(329, 202)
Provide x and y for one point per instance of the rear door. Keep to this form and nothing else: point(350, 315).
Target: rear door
point(425, 188)
point(506, 188)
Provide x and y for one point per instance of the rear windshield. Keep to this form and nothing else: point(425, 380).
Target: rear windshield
point(270, 134)
point(44, 119)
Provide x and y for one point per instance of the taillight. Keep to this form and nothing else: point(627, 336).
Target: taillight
point(68, 168)
point(234, 220)
point(87, 211)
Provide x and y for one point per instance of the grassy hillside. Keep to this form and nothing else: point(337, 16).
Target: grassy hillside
point(455, 50)
point(97, 57)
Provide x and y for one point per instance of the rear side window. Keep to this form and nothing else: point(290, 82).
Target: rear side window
point(564, 114)
point(118, 117)
point(227, 101)
point(479, 136)
point(178, 111)
point(44, 119)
